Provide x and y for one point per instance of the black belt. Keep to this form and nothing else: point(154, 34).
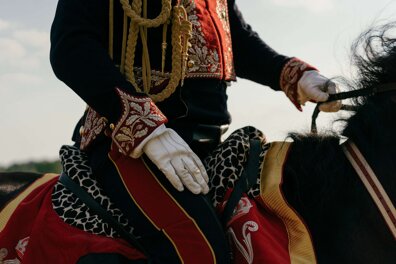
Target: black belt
point(208, 133)
point(199, 132)
point(202, 138)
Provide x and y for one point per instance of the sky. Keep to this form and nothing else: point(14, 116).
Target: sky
point(38, 112)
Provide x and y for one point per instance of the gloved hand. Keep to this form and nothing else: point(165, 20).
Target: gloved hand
point(181, 166)
point(314, 86)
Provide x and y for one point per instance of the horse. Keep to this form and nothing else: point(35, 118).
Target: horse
point(13, 183)
point(319, 182)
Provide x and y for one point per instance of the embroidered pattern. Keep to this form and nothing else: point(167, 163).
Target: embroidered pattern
point(246, 248)
point(291, 74)
point(202, 61)
point(222, 13)
point(242, 208)
point(93, 126)
point(3, 255)
point(203, 58)
point(21, 247)
point(158, 79)
point(140, 117)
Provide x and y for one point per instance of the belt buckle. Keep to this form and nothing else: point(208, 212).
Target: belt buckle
point(209, 133)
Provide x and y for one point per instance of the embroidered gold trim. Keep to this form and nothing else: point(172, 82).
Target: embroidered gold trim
point(157, 77)
point(290, 75)
point(206, 61)
point(94, 125)
point(140, 117)
point(222, 13)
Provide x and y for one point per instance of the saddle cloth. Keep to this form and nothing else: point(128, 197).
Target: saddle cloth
point(263, 228)
point(29, 224)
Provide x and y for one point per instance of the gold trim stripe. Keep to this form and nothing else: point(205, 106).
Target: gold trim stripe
point(10, 208)
point(300, 245)
point(185, 213)
point(176, 203)
point(132, 197)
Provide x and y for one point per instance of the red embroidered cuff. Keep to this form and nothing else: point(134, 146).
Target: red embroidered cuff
point(93, 126)
point(139, 119)
point(290, 75)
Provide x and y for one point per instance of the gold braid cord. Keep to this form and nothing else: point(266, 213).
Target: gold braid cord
point(181, 34)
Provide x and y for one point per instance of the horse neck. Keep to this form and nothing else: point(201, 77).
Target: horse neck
point(314, 174)
point(320, 184)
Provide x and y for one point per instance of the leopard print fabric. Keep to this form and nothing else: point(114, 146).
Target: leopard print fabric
point(71, 209)
point(224, 167)
point(225, 164)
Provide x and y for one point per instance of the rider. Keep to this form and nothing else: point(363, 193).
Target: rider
point(154, 75)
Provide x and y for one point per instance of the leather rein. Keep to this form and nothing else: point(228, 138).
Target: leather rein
point(388, 87)
point(359, 163)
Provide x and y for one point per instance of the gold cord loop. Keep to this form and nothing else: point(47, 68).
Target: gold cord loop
point(138, 25)
point(133, 11)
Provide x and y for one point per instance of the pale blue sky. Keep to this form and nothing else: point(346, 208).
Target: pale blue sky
point(38, 112)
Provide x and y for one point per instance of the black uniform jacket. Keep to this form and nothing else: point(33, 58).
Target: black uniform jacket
point(79, 57)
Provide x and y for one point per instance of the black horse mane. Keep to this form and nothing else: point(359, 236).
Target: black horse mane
point(373, 126)
point(319, 181)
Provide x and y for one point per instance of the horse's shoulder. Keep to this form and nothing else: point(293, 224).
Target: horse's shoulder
point(13, 183)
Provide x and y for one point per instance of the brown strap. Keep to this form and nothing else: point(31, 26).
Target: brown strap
point(372, 184)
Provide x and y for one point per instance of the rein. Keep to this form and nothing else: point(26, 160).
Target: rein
point(372, 184)
point(355, 157)
point(350, 94)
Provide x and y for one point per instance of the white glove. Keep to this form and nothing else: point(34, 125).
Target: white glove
point(312, 86)
point(181, 166)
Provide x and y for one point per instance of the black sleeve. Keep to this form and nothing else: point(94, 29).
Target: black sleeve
point(253, 58)
point(79, 55)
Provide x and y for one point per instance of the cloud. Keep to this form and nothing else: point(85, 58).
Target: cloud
point(32, 37)
point(16, 56)
point(11, 49)
point(4, 25)
point(17, 86)
point(19, 79)
point(22, 49)
point(315, 6)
